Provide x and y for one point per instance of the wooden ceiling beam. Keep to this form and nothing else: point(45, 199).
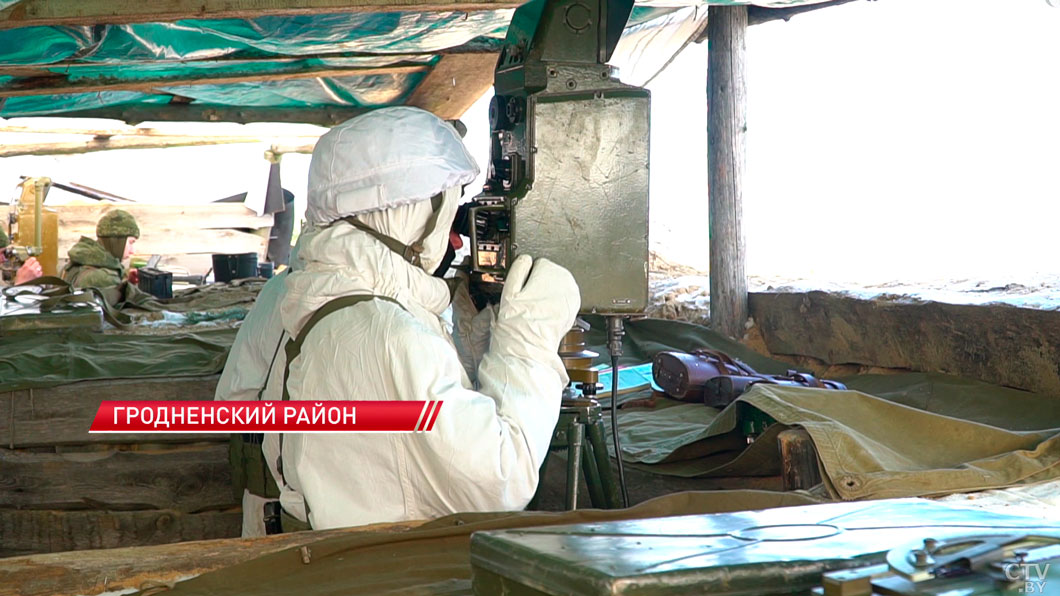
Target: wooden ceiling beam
point(756, 15)
point(58, 84)
point(68, 66)
point(328, 116)
point(29, 13)
point(456, 82)
point(293, 145)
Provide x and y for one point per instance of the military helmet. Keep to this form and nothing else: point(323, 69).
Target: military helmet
point(4, 241)
point(117, 224)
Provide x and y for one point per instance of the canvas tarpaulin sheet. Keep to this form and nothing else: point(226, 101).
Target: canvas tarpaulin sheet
point(203, 48)
point(433, 558)
point(909, 434)
point(241, 292)
point(912, 434)
point(49, 359)
point(46, 359)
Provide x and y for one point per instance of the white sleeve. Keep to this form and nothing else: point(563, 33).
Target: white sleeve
point(486, 446)
point(252, 351)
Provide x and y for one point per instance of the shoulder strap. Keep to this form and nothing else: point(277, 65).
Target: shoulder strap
point(294, 348)
point(294, 345)
point(409, 252)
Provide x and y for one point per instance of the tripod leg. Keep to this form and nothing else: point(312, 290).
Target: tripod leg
point(574, 456)
point(612, 497)
point(592, 476)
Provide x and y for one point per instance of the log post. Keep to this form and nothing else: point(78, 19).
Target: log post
point(798, 460)
point(726, 140)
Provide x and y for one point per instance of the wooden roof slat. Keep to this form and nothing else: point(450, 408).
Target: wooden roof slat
point(327, 116)
point(456, 82)
point(117, 12)
point(72, 65)
point(58, 84)
point(299, 145)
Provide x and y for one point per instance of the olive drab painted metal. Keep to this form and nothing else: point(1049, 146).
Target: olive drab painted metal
point(568, 176)
point(785, 550)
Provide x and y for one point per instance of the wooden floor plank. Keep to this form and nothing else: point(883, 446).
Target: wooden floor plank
point(92, 572)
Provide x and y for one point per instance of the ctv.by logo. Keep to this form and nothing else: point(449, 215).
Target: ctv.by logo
point(1031, 574)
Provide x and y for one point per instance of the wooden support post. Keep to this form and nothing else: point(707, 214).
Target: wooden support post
point(726, 140)
point(798, 460)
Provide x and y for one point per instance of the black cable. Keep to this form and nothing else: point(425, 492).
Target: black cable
point(614, 428)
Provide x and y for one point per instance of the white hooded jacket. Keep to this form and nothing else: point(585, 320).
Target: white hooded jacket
point(257, 346)
point(486, 446)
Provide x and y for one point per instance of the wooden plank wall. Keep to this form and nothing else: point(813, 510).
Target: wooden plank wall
point(186, 235)
point(64, 489)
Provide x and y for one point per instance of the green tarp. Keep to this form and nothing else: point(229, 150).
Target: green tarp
point(190, 49)
point(434, 558)
point(50, 359)
point(46, 359)
point(916, 434)
point(203, 48)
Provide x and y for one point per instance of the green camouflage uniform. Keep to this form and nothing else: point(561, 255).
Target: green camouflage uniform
point(91, 266)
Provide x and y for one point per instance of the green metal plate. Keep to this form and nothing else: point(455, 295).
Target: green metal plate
point(588, 207)
point(775, 551)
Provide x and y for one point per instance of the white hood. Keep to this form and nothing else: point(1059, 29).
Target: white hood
point(341, 260)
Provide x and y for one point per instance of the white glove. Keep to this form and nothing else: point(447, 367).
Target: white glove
point(471, 329)
point(538, 305)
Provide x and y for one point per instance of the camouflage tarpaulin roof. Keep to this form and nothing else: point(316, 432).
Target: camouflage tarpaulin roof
point(342, 61)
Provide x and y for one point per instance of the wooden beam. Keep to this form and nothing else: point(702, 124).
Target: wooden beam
point(798, 460)
point(73, 65)
point(188, 479)
point(151, 216)
point(726, 143)
point(129, 131)
point(281, 148)
point(55, 85)
point(456, 82)
point(62, 415)
point(241, 115)
point(756, 15)
point(109, 144)
point(175, 239)
point(29, 13)
point(29, 531)
point(136, 142)
point(92, 572)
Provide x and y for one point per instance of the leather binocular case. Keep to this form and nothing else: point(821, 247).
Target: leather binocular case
point(717, 379)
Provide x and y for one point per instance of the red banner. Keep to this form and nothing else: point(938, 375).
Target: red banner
point(265, 416)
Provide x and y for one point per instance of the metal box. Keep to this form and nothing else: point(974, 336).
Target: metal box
point(759, 553)
point(156, 282)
